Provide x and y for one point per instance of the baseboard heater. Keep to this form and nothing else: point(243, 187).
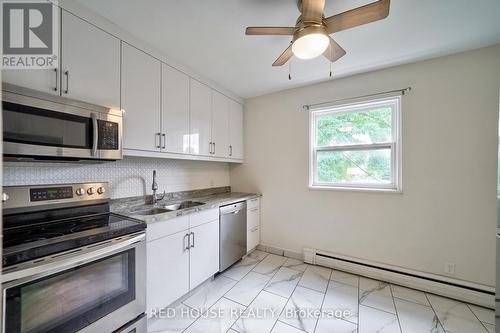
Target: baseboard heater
point(440, 285)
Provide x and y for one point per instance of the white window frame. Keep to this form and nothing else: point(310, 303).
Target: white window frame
point(394, 101)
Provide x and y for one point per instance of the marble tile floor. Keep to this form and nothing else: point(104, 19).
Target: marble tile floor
point(271, 293)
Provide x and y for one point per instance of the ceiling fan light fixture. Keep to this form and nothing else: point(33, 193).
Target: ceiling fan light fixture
point(310, 42)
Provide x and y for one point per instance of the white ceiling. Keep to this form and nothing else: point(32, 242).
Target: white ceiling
point(208, 36)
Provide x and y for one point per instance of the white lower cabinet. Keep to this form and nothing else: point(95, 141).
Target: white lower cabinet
point(253, 223)
point(253, 238)
point(167, 270)
point(181, 254)
point(204, 252)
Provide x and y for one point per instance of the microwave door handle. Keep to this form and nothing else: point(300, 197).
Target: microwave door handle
point(95, 135)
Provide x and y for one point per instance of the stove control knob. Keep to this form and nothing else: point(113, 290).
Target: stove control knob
point(80, 191)
point(90, 191)
point(101, 190)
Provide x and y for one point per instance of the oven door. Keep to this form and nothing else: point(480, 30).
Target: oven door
point(59, 128)
point(95, 289)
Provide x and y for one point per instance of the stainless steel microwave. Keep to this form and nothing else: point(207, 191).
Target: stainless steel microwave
point(41, 126)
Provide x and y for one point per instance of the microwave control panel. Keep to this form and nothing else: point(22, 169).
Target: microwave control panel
point(107, 135)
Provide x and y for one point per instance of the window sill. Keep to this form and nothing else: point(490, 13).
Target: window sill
point(354, 189)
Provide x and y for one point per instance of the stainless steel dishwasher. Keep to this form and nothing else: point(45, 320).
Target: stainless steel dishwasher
point(233, 234)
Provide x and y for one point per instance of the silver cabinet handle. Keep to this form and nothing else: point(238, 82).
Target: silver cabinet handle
point(230, 150)
point(164, 137)
point(95, 135)
point(192, 244)
point(186, 248)
point(211, 149)
point(158, 143)
point(254, 229)
point(66, 73)
point(254, 209)
point(56, 71)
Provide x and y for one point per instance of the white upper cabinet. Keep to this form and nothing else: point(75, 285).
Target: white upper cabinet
point(220, 124)
point(201, 118)
point(235, 130)
point(90, 63)
point(140, 100)
point(167, 113)
point(175, 110)
point(46, 80)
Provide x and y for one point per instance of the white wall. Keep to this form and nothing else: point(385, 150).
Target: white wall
point(447, 211)
point(131, 176)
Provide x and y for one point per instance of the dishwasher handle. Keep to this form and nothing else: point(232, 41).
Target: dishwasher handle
point(234, 208)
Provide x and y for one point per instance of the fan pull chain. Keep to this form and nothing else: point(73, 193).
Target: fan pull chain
point(330, 68)
point(290, 70)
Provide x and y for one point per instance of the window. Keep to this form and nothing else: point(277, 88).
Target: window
point(356, 146)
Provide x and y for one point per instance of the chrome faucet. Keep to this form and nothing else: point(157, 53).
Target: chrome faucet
point(154, 187)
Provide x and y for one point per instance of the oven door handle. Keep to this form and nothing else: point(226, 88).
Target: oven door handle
point(59, 263)
point(95, 134)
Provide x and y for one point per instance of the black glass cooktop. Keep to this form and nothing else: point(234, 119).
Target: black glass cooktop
point(33, 235)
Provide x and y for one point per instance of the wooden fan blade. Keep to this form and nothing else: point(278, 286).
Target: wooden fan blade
point(334, 51)
point(284, 57)
point(312, 10)
point(270, 31)
point(358, 16)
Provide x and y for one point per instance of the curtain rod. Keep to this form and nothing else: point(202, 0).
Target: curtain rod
point(403, 92)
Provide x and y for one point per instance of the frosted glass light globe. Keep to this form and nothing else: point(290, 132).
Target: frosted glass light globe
point(310, 46)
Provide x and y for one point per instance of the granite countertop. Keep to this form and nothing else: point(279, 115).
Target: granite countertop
point(210, 201)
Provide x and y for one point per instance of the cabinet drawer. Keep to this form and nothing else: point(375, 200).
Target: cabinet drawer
point(204, 216)
point(253, 218)
point(161, 229)
point(253, 203)
point(253, 238)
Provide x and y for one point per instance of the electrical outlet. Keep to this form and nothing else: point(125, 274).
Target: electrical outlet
point(449, 268)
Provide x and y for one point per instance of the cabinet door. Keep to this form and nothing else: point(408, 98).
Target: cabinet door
point(141, 75)
point(167, 270)
point(220, 124)
point(201, 118)
point(235, 130)
point(175, 110)
point(253, 217)
point(90, 63)
point(253, 238)
point(46, 80)
point(204, 253)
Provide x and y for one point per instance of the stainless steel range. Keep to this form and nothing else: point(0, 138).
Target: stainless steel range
point(69, 265)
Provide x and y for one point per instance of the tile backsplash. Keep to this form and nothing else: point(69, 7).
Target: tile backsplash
point(129, 177)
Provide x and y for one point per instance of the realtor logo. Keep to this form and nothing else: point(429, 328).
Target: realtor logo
point(29, 34)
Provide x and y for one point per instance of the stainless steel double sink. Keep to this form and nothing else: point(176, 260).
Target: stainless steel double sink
point(153, 210)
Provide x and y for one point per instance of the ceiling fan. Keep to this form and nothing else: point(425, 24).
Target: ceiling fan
point(311, 32)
